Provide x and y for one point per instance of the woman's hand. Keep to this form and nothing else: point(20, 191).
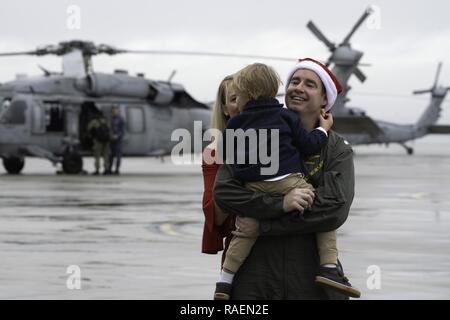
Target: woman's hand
point(246, 227)
point(298, 199)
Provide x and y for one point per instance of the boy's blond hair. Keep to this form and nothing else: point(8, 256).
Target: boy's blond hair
point(257, 81)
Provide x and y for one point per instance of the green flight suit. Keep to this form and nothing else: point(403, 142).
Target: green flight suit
point(100, 149)
point(284, 260)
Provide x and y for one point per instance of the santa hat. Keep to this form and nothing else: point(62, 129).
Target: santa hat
point(329, 81)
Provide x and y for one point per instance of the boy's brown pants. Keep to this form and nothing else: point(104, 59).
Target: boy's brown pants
point(240, 247)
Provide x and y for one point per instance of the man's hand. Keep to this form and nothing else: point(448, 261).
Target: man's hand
point(246, 227)
point(298, 199)
point(326, 120)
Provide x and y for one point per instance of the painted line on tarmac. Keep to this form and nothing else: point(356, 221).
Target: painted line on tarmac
point(167, 229)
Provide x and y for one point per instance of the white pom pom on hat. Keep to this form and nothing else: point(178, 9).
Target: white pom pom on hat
point(329, 80)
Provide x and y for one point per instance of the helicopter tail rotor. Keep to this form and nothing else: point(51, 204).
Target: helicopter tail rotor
point(366, 13)
point(422, 91)
point(435, 84)
point(360, 75)
point(343, 50)
point(330, 45)
point(438, 72)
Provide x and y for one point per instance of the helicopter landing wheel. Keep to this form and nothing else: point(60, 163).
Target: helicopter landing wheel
point(409, 150)
point(72, 162)
point(13, 165)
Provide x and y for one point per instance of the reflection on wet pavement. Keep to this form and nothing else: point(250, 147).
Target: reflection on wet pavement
point(138, 235)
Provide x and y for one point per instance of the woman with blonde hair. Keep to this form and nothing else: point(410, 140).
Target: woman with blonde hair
point(215, 228)
point(224, 108)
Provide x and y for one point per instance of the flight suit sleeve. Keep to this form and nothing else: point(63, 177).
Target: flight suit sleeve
point(232, 197)
point(121, 132)
point(329, 211)
point(309, 142)
point(331, 205)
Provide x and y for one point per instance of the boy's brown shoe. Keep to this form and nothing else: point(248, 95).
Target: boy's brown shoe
point(223, 291)
point(334, 279)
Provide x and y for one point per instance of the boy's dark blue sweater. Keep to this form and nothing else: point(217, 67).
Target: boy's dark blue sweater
point(295, 142)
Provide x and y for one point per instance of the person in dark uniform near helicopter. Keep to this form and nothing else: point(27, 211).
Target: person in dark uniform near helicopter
point(100, 133)
point(118, 131)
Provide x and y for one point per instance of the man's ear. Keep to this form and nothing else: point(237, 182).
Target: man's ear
point(324, 101)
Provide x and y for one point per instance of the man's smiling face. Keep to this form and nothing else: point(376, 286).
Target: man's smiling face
point(305, 93)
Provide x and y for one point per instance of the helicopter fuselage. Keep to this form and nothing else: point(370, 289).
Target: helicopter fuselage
point(35, 121)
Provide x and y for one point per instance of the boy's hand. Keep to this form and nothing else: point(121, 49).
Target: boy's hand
point(326, 120)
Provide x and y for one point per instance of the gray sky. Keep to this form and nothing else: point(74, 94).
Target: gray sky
point(404, 51)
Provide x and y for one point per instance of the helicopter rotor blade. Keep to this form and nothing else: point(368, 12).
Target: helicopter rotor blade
point(90, 49)
point(437, 74)
point(367, 13)
point(29, 53)
point(422, 91)
point(360, 75)
point(40, 51)
point(204, 53)
point(311, 26)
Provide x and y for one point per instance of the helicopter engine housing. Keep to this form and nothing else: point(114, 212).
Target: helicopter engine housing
point(121, 85)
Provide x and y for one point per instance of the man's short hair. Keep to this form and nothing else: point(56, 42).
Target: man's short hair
point(257, 81)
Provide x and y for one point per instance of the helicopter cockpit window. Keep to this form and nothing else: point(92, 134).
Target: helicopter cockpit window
point(135, 120)
point(4, 106)
point(13, 113)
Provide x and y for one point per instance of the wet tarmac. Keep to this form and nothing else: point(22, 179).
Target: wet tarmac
point(137, 236)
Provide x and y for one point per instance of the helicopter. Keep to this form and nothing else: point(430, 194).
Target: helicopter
point(353, 123)
point(47, 116)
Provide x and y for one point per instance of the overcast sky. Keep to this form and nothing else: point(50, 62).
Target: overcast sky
point(404, 51)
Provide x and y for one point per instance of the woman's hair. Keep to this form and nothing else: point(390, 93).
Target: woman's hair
point(257, 81)
point(218, 117)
